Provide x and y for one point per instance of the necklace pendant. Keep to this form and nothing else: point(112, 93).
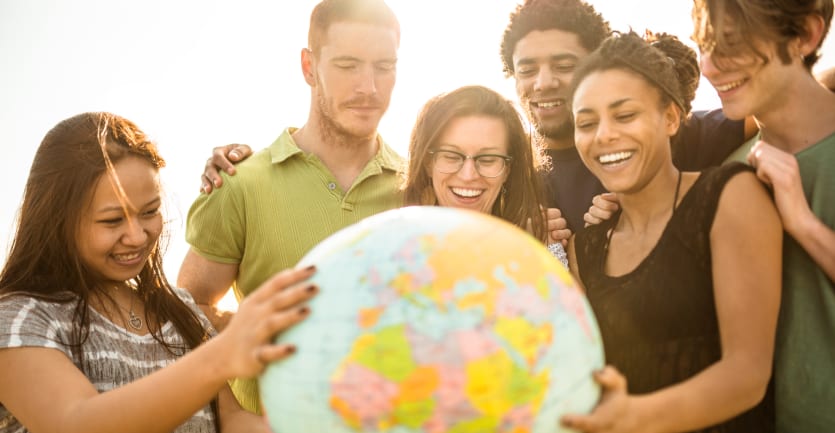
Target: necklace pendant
point(135, 322)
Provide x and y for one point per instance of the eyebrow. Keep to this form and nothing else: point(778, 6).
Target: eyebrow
point(613, 105)
point(554, 58)
point(357, 59)
point(154, 201)
point(458, 149)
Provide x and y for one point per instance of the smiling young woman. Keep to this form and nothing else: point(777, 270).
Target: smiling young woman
point(684, 280)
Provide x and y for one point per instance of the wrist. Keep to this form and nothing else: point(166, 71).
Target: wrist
point(644, 416)
point(802, 227)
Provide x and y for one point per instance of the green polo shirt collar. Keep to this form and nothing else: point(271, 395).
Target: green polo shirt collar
point(284, 147)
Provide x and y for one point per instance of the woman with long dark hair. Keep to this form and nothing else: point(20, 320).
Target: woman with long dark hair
point(93, 338)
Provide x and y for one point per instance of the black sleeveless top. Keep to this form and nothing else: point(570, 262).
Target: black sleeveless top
point(658, 322)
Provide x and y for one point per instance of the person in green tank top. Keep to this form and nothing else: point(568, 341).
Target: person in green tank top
point(758, 55)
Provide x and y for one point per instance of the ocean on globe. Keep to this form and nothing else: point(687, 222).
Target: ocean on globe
point(436, 320)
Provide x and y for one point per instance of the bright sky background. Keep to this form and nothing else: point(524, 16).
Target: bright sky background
point(194, 74)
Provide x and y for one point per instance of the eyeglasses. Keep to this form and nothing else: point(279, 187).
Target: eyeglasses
point(486, 164)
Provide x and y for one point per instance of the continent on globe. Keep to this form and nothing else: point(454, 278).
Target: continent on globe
point(436, 320)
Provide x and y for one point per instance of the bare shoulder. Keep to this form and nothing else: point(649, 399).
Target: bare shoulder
point(745, 204)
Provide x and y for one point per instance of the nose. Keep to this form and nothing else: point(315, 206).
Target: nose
point(135, 234)
point(605, 131)
point(367, 81)
point(545, 79)
point(468, 170)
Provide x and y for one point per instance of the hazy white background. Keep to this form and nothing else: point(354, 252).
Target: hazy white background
point(199, 73)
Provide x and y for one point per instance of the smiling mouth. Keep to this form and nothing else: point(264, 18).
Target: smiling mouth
point(615, 158)
point(730, 86)
point(548, 104)
point(128, 257)
point(467, 192)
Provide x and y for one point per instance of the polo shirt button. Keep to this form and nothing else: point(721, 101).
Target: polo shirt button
point(331, 186)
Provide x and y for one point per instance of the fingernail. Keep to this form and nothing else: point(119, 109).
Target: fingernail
point(204, 188)
point(311, 289)
point(233, 154)
point(291, 349)
point(215, 182)
point(310, 268)
point(304, 311)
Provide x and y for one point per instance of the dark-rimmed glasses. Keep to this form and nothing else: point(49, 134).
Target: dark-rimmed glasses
point(486, 164)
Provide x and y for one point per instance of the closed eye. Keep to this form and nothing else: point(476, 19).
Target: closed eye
point(625, 117)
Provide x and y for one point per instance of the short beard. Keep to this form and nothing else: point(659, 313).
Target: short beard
point(563, 131)
point(331, 130)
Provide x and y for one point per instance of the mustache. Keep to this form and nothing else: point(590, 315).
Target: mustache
point(545, 94)
point(363, 101)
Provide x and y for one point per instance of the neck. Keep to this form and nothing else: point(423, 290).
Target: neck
point(557, 143)
point(121, 305)
point(652, 205)
point(344, 156)
point(802, 119)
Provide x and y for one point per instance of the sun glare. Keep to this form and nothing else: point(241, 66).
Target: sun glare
point(216, 72)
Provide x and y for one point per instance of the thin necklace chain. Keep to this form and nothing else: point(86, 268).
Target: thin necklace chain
point(134, 321)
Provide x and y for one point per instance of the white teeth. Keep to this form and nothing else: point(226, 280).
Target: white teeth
point(552, 104)
point(126, 257)
point(612, 158)
point(729, 86)
point(469, 193)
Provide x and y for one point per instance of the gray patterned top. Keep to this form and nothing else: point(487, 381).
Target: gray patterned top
point(557, 250)
point(113, 356)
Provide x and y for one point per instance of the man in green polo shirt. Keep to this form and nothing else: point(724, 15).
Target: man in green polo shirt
point(312, 181)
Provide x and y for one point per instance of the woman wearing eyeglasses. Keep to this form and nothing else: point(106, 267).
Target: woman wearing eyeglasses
point(469, 150)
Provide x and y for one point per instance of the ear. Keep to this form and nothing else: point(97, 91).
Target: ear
point(308, 61)
point(809, 41)
point(672, 118)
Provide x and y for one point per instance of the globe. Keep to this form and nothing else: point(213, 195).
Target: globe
point(438, 320)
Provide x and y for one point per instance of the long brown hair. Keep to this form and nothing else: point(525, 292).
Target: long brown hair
point(43, 261)
point(524, 192)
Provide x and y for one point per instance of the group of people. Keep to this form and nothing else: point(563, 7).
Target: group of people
point(712, 282)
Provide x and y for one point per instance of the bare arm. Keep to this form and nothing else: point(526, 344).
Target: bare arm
point(746, 248)
point(43, 389)
point(208, 282)
point(235, 419)
point(780, 171)
point(223, 158)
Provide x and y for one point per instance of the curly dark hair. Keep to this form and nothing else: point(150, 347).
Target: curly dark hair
point(686, 63)
point(663, 61)
point(573, 16)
